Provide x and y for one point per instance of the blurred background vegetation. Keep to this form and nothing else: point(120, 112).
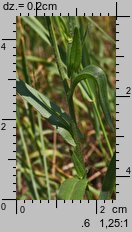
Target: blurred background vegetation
point(40, 150)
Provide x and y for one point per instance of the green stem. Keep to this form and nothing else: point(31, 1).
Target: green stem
point(44, 156)
point(77, 150)
point(66, 87)
point(71, 110)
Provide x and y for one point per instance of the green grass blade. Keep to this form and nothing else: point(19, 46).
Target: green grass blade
point(49, 110)
point(109, 180)
point(72, 189)
point(98, 75)
point(34, 23)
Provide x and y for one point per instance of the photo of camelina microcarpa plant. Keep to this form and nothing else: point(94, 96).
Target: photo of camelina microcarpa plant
point(66, 108)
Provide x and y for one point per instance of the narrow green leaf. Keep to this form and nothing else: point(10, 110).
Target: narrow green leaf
point(49, 110)
point(75, 53)
point(79, 167)
point(109, 180)
point(72, 189)
point(34, 23)
point(98, 75)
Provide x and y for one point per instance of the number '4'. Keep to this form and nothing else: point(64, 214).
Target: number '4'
point(128, 170)
point(3, 46)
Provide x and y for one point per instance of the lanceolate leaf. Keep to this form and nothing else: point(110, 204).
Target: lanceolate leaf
point(34, 23)
point(72, 189)
point(49, 110)
point(98, 75)
point(109, 180)
point(75, 53)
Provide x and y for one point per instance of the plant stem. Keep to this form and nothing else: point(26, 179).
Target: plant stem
point(44, 156)
point(71, 110)
point(74, 128)
point(66, 87)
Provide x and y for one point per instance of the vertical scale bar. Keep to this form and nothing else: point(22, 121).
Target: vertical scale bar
point(122, 108)
point(14, 111)
point(116, 98)
point(7, 112)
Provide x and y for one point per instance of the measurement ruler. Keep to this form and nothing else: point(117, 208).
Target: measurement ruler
point(65, 215)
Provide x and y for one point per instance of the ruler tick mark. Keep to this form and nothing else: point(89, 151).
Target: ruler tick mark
point(123, 176)
point(8, 119)
point(119, 56)
point(120, 136)
point(9, 39)
point(123, 96)
point(76, 11)
point(56, 204)
point(96, 207)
